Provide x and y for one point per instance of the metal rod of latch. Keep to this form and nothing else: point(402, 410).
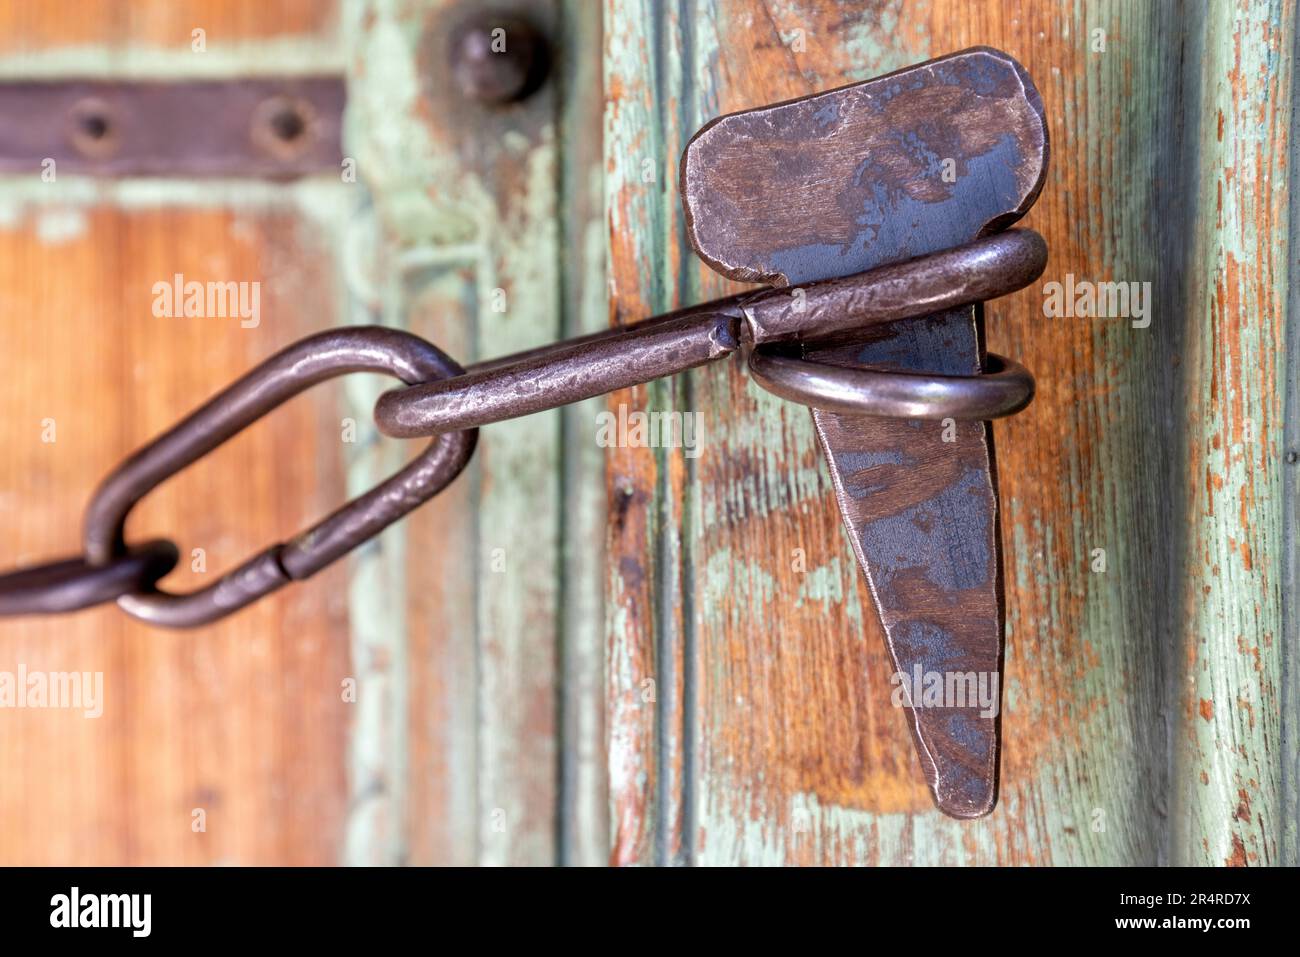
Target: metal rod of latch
point(581, 369)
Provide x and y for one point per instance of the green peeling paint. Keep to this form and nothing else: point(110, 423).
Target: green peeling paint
point(1136, 768)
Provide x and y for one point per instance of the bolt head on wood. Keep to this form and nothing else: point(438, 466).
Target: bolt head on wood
point(497, 60)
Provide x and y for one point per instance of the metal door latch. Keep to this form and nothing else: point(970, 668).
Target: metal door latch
point(857, 179)
point(878, 212)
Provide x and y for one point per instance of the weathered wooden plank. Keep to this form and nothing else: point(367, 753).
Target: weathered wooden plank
point(156, 23)
point(448, 752)
point(1228, 763)
point(797, 755)
point(583, 787)
point(211, 720)
point(172, 38)
point(649, 625)
point(1289, 689)
point(482, 214)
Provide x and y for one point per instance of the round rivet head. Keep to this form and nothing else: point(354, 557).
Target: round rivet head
point(283, 126)
point(497, 59)
point(93, 128)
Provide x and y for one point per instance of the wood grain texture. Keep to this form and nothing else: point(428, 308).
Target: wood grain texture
point(1141, 712)
point(583, 787)
point(156, 39)
point(1229, 755)
point(244, 719)
point(451, 751)
point(156, 23)
point(1289, 686)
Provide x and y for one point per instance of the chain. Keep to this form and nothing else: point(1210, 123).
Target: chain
point(441, 400)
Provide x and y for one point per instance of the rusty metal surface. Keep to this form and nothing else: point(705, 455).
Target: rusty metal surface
point(73, 583)
point(578, 369)
point(301, 365)
point(1005, 388)
point(275, 128)
point(842, 181)
point(826, 311)
point(558, 375)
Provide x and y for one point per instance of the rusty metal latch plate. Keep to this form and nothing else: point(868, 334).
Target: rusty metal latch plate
point(923, 159)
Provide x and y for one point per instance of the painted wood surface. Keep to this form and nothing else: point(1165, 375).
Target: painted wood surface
point(749, 693)
point(747, 685)
point(471, 629)
point(242, 721)
point(490, 246)
point(1230, 757)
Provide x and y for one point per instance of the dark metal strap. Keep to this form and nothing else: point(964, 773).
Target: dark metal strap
point(73, 583)
point(1005, 388)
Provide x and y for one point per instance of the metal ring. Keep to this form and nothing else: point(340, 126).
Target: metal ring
point(303, 364)
point(1006, 388)
point(73, 583)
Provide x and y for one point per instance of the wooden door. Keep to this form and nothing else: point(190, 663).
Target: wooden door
point(434, 698)
point(1150, 694)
